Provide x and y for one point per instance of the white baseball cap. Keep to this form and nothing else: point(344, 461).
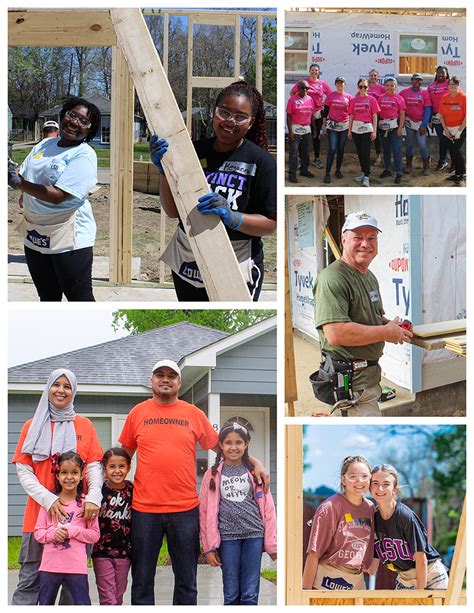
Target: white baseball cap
point(51, 124)
point(168, 364)
point(358, 220)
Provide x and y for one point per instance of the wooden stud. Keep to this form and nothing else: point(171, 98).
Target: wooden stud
point(63, 28)
point(236, 47)
point(162, 266)
point(210, 19)
point(294, 515)
point(207, 236)
point(440, 328)
point(211, 82)
point(291, 388)
point(458, 565)
point(259, 55)
point(189, 86)
point(121, 173)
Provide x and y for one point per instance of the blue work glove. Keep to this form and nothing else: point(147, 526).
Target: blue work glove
point(14, 178)
point(215, 204)
point(158, 147)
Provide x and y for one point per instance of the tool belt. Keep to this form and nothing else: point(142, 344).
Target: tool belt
point(333, 381)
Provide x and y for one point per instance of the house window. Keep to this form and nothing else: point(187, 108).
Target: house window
point(418, 53)
point(103, 427)
point(296, 51)
point(105, 129)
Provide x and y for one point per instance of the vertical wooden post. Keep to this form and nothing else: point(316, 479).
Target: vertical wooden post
point(237, 47)
point(189, 91)
point(458, 565)
point(259, 56)
point(121, 170)
point(294, 514)
point(161, 272)
point(291, 388)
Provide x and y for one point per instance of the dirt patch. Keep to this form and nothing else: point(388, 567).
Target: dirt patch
point(146, 232)
point(351, 169)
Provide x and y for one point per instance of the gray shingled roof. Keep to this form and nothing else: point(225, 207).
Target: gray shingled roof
point(125, 361)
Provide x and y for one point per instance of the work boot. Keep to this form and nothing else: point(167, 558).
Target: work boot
point(386, 173)
point(409, 165)
point(292, 179)
point(426, 167)
point(442, 164)
point(307, 173)
point(398, 178)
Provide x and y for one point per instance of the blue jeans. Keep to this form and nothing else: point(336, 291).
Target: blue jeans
point(182, 535)
point(300, 144)
point(392, 144)
point(337, 143)
point(422, 143)
point(49, 584)
point(241, 560)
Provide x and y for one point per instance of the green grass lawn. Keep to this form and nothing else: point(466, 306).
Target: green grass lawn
point(269, 575)
point(140, 151)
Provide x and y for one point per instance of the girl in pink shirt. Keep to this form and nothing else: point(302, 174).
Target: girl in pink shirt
point(336, 126)
point(333, 562)
point(391, 122)
point(363, 111)
point(64, 559)
point(236, 518)
point(376, 89)
point(318, 90)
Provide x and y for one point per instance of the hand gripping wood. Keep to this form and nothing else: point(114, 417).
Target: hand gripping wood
point(208, 238)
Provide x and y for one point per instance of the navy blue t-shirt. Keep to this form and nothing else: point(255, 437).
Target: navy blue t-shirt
point(398, 538)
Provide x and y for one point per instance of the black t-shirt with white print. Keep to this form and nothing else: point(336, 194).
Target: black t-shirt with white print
point(115, 519)
point(398, 538)
point(245, 177)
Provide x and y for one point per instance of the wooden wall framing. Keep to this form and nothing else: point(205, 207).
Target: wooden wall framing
point(295, 595)
point(94, 28)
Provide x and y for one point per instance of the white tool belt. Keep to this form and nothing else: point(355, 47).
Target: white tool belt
point(435, 118)
point(362, 127)
point(337, 126)
point(454, 131)
point(317, 114)
point(299, 129)
point(48, 233)
point(388, 124)
point(413, 125)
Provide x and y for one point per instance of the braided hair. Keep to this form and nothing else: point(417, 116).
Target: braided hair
point(258, 131)
point(70, 456)
point(93, 114)
point(441, 67)
point(226, 429)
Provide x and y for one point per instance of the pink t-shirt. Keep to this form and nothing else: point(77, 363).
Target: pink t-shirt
point(300, 109)
point(436, 91)
point(338, 106)
point(362, 108)
point(376, 90)
point(391, 105)
point(317, 90)
point(342, 533)
point(415, 100)
point(70, 556)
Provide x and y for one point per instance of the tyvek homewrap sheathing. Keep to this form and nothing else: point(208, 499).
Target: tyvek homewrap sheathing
point(351, 44)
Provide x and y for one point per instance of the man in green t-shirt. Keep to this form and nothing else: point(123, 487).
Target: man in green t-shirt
point(349, 314)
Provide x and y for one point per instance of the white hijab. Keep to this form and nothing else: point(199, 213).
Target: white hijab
point(40, 442)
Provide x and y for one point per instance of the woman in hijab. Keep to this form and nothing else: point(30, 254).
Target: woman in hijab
point(54, 429)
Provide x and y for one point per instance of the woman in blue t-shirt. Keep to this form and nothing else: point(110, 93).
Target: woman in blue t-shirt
point(242, 176)
point(58, 225)
point(401, 540)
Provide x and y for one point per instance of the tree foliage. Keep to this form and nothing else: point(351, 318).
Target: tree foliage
point(232, 320)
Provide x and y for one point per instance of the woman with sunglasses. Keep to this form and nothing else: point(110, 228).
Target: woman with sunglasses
point(401, 540)
point(58, 225)
point(242, 175)
point(332, 561)
point(391, 122)
point(453, 114)
point(363, 111)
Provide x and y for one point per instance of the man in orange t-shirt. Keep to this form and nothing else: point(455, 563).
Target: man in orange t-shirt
point(164, 431)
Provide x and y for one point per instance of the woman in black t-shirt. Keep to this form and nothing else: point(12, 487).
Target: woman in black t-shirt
point(242, 176)
point(401, 540)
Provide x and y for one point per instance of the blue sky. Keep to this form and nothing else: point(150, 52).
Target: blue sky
point(328, 445)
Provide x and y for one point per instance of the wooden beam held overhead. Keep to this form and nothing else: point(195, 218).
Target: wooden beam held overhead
point(62, 28)
point(208, 238)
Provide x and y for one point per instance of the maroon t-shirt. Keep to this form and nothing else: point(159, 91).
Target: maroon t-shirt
point(342, 533)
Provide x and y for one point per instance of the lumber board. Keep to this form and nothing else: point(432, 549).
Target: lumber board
point(209, 19)
point(440, 328)
point(212, 82)
point(121, 170)
point(259, 60)
point(458, 565)
point(291, 387)
point(332, 243)
point(435, 342)
point(207, 236)
point(61, 28)
point(294, 514)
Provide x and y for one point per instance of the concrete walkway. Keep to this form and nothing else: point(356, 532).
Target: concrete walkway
point(209, 587)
